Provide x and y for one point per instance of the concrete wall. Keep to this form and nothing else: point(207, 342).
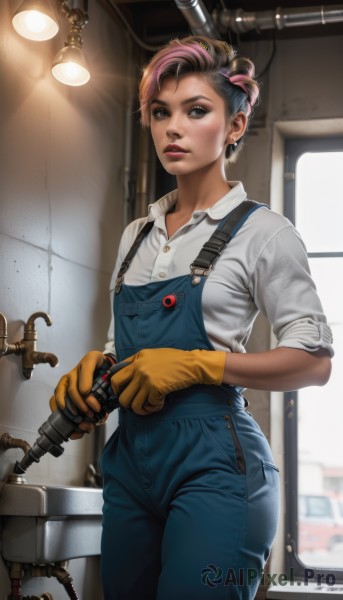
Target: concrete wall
point(61, 215)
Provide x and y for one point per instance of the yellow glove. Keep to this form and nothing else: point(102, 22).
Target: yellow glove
point(77, 384)
point(154, 373)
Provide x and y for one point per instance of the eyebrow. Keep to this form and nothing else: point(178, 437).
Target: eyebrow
point(188, 101)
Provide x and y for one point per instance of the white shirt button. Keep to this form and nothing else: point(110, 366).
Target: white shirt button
point(166, 248)
point(162, 274)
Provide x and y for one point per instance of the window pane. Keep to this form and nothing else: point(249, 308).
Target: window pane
point(320, 439)
point(319, 200)
point(319, 212)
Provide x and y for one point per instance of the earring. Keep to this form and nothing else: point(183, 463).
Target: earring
point(234, 143)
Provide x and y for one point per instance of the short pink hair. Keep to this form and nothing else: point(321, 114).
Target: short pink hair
point(199, 55)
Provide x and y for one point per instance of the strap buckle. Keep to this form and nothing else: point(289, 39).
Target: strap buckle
point(198, 272)
point(119, 282)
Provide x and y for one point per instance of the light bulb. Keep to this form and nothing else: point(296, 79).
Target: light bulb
point(70, 73)
point(33, 23)
point(70, 66)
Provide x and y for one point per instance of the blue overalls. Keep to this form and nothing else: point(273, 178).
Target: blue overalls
point(191, 492)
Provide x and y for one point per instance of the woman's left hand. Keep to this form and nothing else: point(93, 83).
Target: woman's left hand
point(154, 373)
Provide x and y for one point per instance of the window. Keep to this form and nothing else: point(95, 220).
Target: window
point(314, 416)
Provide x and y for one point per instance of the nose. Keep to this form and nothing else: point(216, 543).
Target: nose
point(174, 127)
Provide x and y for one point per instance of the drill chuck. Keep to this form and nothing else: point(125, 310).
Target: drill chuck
point(59, 426)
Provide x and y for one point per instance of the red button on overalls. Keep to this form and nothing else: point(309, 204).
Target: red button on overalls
point(169, 301)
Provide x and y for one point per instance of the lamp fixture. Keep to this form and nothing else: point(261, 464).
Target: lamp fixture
point(70, 65)
point(35, 20)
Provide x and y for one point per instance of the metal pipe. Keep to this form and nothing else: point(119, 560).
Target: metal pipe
point(241, 21)
point(7, 442)
point(129, 179)
point(63, 576)
point(6, 348)
point(16, 574)
point(200, 22)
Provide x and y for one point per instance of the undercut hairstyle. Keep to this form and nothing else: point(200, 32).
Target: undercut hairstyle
point(213, 59)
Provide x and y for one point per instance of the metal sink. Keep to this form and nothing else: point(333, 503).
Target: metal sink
point(49, 523)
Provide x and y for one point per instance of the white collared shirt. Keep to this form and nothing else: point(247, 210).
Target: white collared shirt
point(264, 268)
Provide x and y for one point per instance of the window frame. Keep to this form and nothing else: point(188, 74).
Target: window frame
point(294, 149)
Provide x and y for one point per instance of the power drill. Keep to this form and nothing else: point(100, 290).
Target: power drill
point(62, 423)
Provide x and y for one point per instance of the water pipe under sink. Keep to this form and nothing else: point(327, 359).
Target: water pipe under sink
point(43, 526)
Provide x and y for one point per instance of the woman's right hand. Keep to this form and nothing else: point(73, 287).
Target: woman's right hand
point(77, 384)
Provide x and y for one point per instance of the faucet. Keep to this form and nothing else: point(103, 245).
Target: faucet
point(27, 346)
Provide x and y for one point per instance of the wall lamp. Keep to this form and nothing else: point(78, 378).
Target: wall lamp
point(36, 20)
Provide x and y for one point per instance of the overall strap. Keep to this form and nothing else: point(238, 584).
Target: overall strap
point(210, 251)
point(224, 233)
point(131, 253)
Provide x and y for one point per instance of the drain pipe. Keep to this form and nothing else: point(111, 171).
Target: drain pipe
point(241, 21)
point(199, 20)
point(16, 574)
point(58, 570)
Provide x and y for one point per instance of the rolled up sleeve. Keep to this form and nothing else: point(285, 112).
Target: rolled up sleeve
point(285, 293)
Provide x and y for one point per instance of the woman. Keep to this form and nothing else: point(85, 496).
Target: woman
point(190, 487)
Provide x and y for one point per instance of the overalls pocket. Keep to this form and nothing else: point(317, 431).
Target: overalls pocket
point(270, 473)
point(149, 321)
point(220, 432)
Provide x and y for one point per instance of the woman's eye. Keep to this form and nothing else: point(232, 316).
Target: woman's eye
point(198, 111)
point(159, 113)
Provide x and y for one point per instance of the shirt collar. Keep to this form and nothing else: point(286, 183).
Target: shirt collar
point(216, 212)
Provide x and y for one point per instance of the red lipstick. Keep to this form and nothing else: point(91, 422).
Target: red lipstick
point(174, 148)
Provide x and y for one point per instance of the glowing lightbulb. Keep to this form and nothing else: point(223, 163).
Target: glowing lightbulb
point(35, 21)
point(71, 73)
point(34, 25)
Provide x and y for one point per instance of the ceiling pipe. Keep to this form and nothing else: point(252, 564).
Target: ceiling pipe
point(199, 20)
point(241, 21)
